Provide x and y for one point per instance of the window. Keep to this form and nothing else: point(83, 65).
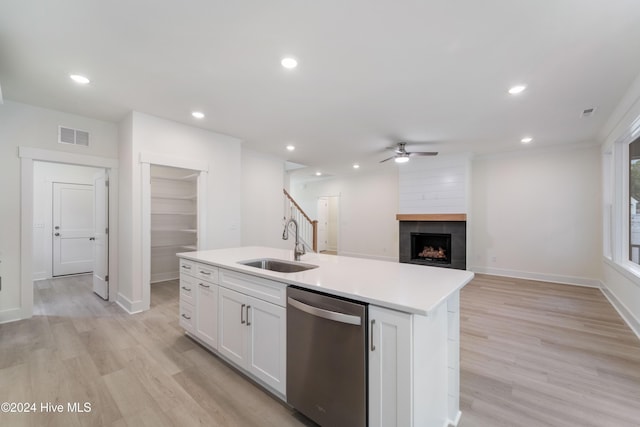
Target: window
point(634, 201)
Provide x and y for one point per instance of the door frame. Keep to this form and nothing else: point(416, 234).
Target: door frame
point(146, 160)
point(27, 156)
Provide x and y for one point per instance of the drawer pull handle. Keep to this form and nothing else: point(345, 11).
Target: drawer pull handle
point(204, 286)
point(248, 322)
point(186, 289)
point(242, 321)
point(186, 267)
point(373, 322)
point(205, 272)
point(186, 317)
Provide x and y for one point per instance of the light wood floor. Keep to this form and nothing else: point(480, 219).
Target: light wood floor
point(542, 354)
point(532, 354)
point(135, 370)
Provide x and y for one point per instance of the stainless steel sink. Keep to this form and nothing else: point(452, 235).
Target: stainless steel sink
point(281, 266)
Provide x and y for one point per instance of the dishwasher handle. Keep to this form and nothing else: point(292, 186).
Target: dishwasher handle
point(325, 314)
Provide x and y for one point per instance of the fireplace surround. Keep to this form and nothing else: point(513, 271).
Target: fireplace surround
point(438, 242)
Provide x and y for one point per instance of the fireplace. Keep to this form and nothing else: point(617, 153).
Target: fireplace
point(431, 248)
point(438, 243)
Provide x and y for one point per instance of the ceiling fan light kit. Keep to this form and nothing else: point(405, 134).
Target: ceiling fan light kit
point(402, 155)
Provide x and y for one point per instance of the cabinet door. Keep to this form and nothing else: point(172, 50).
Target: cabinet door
point(232, 338)
point(267, 343)
point(389, 368)
point(207, 312)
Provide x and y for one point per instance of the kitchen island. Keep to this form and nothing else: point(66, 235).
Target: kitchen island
point(239, 312)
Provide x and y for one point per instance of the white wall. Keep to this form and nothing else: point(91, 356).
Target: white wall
point(435, 185)
point(142, 133)
point(536, 214)
point(28, 126)
point(367, 210)
point(44, 175)
point(262, 200)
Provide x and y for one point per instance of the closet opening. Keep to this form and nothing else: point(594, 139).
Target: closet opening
point(174, 220)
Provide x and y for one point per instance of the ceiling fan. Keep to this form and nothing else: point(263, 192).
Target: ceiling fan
point(402, 155)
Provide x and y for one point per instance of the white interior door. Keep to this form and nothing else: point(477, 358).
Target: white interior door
point(323, 223)
point(101, 234)
point(72, 228)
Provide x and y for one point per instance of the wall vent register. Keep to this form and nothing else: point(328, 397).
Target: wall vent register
point(73, 136)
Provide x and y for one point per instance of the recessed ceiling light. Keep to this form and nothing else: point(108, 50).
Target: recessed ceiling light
point(356, 166)
point(318, 173)
point(517, 89)
point(526, 140)
point(289, 63)
point(198, 114)
point(79, 79)
point(290, 147)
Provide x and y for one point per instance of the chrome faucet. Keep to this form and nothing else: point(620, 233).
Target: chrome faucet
point(298, 248)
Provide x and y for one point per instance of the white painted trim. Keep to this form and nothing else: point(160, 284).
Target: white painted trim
point(163, 277)
point(27, 156)
point(146, 160)
point(622, 310)
point(145, 234)
point(553, 278)
point(64, 157)
point(11, 315)
point(628, 270)
point(159, 159)
point(455, 422)
point(131, 307)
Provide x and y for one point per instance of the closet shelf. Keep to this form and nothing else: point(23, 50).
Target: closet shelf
point(174, 213)
point(190, 177)
point(182, 246)
point(171, 230)
point(174, 197)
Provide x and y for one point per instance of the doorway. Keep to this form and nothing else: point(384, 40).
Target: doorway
point(34, 229)
point(328, 224)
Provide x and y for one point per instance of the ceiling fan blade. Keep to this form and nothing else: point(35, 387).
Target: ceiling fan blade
point(392, 157)
point(423, 153)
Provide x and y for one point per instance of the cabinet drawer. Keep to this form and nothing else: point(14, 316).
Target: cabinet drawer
point(261, 288)
point(187, 288)
point(187, 267)
point(207, 272)
point(187, 319)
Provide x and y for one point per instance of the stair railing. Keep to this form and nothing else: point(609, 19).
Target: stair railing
point(308, 228)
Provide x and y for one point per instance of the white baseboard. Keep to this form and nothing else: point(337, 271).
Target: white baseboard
point(456, 421)
point(622, 310)
point(40, 275)
point(554, 278)
point(131, 307)
point(163, 277)
point(12, 315)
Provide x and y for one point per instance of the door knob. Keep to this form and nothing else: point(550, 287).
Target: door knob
point(57, 227)
point(56, 234)
point(92, 238)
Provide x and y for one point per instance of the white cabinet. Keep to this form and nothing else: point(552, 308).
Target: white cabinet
point(252, 334)
point(412, 360)
point(389, 368)
point(207, 312)
point(199, 301)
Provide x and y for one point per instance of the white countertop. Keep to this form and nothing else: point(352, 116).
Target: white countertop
point(410, 288)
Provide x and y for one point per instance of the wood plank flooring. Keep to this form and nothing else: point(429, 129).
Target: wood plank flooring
point(134, 370)
point(543, 354)
point(532, 354)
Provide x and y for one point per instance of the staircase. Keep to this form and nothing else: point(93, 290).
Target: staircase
point(307, 228)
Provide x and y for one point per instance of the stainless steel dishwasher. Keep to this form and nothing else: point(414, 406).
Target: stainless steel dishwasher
point(327, 358)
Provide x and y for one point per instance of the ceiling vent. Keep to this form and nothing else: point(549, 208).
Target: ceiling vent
point(73, 136)
point(588, 112)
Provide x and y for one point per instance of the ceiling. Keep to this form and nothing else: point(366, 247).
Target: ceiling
point(370, 73)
